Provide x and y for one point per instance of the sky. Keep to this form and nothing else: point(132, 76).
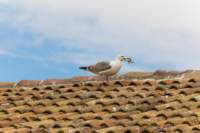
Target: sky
point(48, 39)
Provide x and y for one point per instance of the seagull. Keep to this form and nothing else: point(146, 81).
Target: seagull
point(107, 68)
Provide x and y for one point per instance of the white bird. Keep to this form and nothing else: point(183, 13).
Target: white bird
point(107, 68)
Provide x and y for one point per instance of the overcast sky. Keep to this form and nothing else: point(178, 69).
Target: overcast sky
point(41, 39)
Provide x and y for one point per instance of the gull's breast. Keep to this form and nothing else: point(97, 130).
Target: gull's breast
point(113, 70)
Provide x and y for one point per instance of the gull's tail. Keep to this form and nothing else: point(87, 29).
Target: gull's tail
point(84, 68)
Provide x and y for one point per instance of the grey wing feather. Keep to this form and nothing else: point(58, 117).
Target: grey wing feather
point(99, 67)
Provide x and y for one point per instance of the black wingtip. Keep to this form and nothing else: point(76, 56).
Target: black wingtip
point(83, 68)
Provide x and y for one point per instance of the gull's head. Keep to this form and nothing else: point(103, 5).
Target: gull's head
point(121, 58)
point(124, 58)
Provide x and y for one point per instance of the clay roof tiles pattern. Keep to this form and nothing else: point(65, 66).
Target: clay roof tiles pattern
point(129, 105)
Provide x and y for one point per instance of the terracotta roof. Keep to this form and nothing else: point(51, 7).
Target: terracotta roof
point(6, 84)
point(160, 102)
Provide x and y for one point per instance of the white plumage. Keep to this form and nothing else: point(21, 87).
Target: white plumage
point(115, 67)
point(107, 69)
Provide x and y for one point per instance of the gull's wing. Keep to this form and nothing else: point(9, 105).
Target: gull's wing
point(100, 67)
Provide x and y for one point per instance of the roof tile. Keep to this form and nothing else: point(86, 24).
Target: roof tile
point(144, 103)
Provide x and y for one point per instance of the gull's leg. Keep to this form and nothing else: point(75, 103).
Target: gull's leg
point(107, 78)
point(101, 80)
